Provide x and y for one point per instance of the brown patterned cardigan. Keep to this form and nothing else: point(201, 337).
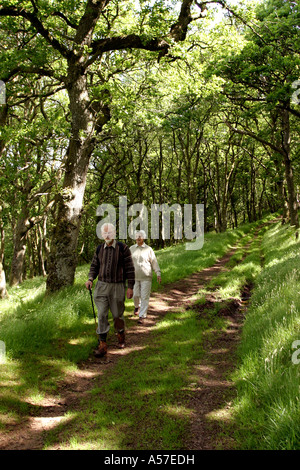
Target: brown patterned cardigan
point(113, 264)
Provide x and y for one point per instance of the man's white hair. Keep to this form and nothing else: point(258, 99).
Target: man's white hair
point(141, 233)
point(108, 227)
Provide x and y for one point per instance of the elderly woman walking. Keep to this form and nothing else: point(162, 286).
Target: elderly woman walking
point(145, 263)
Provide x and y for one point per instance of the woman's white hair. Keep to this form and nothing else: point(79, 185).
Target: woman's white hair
point(142, 233)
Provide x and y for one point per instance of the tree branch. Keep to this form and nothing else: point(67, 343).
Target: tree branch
point(34, 70)
point(42, 191)
point(69, 23)
point(255, 136)
point(177, 33)
point(227, 7)
point(89, 20)
point(38, 25)
point(131, 41)
point(179, 29)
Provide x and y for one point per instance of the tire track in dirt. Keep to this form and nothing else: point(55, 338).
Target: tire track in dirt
point(211, 372)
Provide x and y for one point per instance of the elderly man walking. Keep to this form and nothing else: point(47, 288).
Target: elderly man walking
point(145, 263)
point(112, 264)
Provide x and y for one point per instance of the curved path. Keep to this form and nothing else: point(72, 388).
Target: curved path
point(211, 392)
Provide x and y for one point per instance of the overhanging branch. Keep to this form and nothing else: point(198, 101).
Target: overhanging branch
point(255, 136)
point(38, 25)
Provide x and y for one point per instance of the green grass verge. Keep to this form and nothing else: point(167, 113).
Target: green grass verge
point(143, 405)
point(242, 268)
point(267, 409)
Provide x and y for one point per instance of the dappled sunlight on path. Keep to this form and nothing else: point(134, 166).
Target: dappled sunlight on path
point(205, 394)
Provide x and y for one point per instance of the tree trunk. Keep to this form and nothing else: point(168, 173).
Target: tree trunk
point(252, 190)
point(3, 119)
point(16, 272)
point(233, 207)
point(46, 249)
point(62, 260)
point(30, 257)
point(292, 200)
point(39, 237)
point(3, 291)
point(261, 198)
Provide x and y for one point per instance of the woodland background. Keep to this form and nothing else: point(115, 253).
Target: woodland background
point(162, 102)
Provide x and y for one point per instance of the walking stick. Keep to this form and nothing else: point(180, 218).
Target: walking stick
point(93, 305)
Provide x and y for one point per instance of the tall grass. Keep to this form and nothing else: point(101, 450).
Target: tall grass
point(242, 268)
point(178, 263)
point(46, 336)
point(268, 379)
point(32, 322)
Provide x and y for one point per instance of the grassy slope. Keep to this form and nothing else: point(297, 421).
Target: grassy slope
point(46, 337)
point(267, 408)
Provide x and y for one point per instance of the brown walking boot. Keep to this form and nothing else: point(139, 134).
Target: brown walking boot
point(121, 340)
point(101, 351)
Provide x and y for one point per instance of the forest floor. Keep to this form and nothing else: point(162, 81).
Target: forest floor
point(212, 390)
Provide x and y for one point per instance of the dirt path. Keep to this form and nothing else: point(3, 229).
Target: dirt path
point(212, 389)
